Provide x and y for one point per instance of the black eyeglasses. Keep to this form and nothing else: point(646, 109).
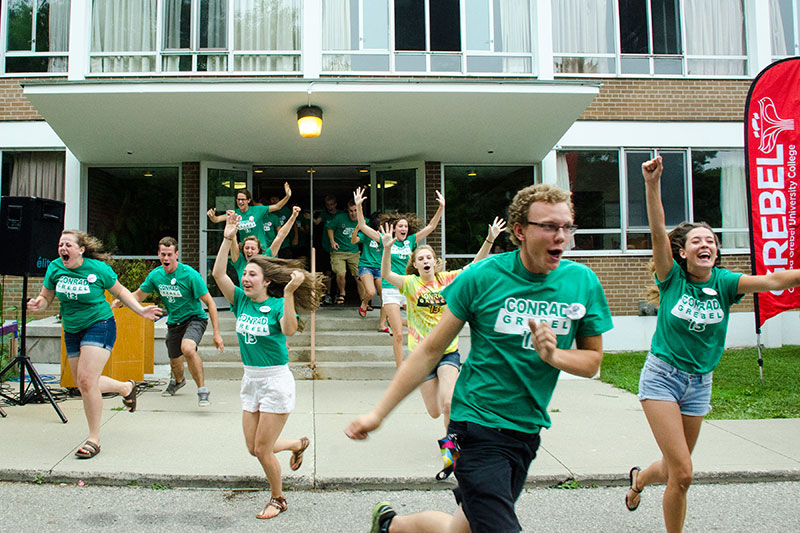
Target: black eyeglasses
point(553, 228)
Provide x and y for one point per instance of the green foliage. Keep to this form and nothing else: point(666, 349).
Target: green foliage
point(39, 479)
point(738, 392)
point(156, 486)
point(132, 272)
point(572, 484)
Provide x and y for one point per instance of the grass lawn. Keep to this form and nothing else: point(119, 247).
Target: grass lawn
point(738, 392)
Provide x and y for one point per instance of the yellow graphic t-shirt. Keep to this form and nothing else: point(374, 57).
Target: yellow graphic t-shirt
point(426, 305)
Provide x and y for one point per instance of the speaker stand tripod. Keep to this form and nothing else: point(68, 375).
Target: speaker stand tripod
point(36, 389)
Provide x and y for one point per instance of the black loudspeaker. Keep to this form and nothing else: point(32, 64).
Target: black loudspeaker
point(30, 229)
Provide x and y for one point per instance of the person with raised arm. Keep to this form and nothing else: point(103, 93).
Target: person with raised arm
point(256, 219)
point(251, 246)
point(695, 296)
point(271, 289)
point(79, 278)
point(525, 309)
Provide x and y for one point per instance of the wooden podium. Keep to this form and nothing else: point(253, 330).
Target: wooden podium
point(132, 356)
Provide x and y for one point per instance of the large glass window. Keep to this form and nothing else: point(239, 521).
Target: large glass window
point(609, 196)
point(37, 36)
point(784, 27)
point(195, 36)
point(442, 36)
point(656, 37)
point(33, 174)
point(475, 196)
point(130, 209)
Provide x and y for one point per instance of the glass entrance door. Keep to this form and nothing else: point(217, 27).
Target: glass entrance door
point(398, 188)
point(218, 185)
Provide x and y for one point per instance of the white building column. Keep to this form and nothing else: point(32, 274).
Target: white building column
point(312, 38)
point(549, 168)
point(72, 192)
point(543, 44)
point(79, 36)
point(759, 41)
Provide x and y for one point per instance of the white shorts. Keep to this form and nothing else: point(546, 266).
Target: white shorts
point(269, 389)
point(391, 295)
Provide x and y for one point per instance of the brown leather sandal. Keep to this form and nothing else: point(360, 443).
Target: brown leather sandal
point(130, 399)
point(87, 450)
point(278, 503)
point(297, 457)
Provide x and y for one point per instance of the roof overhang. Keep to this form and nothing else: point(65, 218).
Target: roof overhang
point(365, 121)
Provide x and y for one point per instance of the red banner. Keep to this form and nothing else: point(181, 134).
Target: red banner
point(772, 137)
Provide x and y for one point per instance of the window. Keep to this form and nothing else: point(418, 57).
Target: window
point(655, 37)
point(196, 36)
point(609, 196)
point(441, 36)
point(131, 209)
point(475, 195)
point(37, 36)
point(784, 27)
point(33, 174)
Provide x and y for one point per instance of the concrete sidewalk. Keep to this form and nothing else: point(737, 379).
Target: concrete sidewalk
point(598, 433)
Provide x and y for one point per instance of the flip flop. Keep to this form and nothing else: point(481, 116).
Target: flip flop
point(339, 300)
point(297, 457)
point(630, 478)
point(130, 399)
point(370, 308)
point(87, 450)
point(362, 312)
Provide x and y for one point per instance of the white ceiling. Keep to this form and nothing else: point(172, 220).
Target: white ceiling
point(365, 121)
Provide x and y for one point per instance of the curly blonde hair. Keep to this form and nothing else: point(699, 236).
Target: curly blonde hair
point(93, 247)
point(520, 205)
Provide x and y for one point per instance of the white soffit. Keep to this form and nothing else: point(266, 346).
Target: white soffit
point(255, 122)
point(586, 133)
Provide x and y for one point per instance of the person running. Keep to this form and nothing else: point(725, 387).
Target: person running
point(344, 254)
point(323, 251)
point(407, 239)
point(257, 220)
point(182, 290)
point(525, 309)
point(675, 383)
point(422, 287)
point(369, 267)
point(251, 246)
point(264, 306)
point(79, 278)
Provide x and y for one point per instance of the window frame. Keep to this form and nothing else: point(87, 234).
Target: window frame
point(464, 55)
point(684, 56)
point(5, 53)
point(625, 229)
point(160, 52)
point(795, 29)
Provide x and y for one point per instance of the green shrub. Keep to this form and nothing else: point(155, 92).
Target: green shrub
point(132, 272)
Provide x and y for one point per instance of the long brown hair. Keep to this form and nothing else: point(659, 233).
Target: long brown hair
point(93, 247)
point(677, 241)
point(279, 272)
point(411, 270)
point(414, 223)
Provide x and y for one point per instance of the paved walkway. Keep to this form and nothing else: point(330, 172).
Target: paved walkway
point(598, 433)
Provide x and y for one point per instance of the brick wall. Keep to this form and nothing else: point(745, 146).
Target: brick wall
point(190, 205)
point(13, 105)
point(625, 280)
point(433, 183)
point(12, 297)
point(669, 100)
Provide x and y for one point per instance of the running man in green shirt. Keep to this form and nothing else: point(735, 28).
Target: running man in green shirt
point(181, 289)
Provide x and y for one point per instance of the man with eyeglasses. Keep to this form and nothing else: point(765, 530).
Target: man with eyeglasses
point(525, 309)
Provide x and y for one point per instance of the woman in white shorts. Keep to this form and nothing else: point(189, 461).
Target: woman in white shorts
point(264, 306)
point(405, 242)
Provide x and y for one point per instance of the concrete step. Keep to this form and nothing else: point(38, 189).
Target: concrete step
point(354, 354)
point(383, 370)
point(225, 370)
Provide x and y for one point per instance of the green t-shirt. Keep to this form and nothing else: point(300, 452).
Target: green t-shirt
point(426, 305)
point(81, 292)
point(180, 291)
point(342, 228)
point(693, 319)
point(260, 222)
point(503, 383)
point(261, 341)
point(370, 252)
point(282, 216)
point(401, 252)
point(241, 262)
point(326, 217)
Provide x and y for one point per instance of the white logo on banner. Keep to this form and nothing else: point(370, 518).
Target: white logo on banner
point(767, 125)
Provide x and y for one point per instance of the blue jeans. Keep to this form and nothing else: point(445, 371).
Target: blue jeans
point(102, 334)
point(660, 380)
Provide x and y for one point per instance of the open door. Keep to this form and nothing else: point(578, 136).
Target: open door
point(218, 185)
point(399, 187)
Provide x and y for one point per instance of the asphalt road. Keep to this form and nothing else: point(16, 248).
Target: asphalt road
point(750, 507)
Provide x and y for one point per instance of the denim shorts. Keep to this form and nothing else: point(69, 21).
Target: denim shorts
point(102, 334)
point(491, 472)
point(660, 380)
point(453, 359)
point(376, 272)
